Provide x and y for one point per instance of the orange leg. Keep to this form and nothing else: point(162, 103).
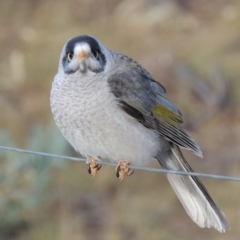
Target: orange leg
point(122, 169)
point(93, 166)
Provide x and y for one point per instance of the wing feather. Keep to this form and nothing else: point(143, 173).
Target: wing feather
point(140, 96)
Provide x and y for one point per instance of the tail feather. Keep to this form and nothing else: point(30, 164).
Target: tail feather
point(191, 192)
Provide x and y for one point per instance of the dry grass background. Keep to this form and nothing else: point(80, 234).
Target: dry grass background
point(192, 47)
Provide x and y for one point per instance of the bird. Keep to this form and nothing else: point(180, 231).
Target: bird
point(108, 107)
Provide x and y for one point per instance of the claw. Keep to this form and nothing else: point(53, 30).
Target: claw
point(93, 167)
point(122, 169)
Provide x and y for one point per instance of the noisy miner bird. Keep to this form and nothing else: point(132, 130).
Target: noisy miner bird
point(109, 107)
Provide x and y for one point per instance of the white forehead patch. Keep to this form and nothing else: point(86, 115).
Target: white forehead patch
point(82, 47)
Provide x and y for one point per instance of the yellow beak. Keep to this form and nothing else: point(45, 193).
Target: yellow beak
point(82, 55)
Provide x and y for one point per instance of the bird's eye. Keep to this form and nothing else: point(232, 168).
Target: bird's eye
point(96, 54)
point(70, 56)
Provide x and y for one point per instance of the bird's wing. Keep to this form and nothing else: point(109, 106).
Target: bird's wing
point(140, 96)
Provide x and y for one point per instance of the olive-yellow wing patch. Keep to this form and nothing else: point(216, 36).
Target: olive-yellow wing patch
point(169, 127)
point(167, 115)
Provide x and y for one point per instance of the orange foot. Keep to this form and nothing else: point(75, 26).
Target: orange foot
point(93, 167)
point(122, 169)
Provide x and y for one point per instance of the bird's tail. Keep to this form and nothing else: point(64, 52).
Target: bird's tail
point(191, 192)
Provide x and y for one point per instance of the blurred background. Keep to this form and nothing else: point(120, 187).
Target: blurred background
point(192, 47)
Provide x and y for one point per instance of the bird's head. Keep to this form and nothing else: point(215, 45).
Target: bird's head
point(83, 54)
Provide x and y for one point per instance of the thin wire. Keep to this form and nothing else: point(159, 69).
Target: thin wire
point(222, 177)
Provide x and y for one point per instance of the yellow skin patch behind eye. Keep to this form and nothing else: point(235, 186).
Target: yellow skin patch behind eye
point(96, 54)
point(167, 115)
point(69, 57)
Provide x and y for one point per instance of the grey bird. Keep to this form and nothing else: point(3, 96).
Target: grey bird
point(109, 107)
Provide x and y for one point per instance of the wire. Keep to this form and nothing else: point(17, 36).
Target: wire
point(221, 177)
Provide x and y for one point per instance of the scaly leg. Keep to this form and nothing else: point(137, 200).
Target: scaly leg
point(93, 166)
point(122, 169)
